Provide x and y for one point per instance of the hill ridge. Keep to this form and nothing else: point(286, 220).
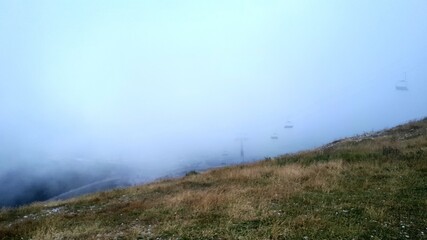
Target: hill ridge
point(371, 186)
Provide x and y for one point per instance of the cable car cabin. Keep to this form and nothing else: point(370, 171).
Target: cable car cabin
point(402, 86)
point(289, 125)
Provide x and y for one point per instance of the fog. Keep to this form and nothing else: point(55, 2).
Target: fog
point(139, 90)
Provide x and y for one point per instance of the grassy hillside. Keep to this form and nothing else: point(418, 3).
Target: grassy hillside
point(372, 186)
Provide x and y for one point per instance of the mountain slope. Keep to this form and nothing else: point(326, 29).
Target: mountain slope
point(372, 186)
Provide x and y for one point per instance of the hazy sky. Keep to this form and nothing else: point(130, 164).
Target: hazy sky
point(154, 82)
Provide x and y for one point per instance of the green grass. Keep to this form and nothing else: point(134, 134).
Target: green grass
point(365, 187)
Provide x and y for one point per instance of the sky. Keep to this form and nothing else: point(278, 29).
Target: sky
point(159, 84)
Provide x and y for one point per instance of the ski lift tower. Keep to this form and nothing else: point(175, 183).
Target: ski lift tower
point(242, 150)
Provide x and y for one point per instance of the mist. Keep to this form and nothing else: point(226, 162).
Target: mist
point(140, 90)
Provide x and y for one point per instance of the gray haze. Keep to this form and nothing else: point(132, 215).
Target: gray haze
point(143, 89)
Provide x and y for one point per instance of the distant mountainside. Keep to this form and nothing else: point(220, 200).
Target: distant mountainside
point(24, 183)
point(370, 186)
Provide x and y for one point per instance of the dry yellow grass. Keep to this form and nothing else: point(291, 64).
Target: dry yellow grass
point(51, 230)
